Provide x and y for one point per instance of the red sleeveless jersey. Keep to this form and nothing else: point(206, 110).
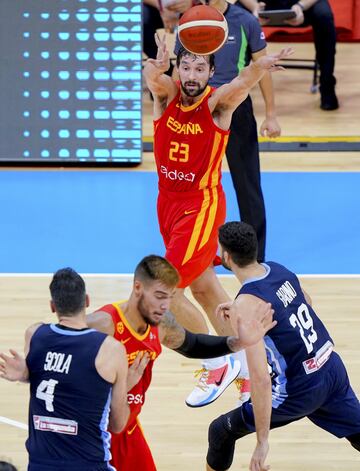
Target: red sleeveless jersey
point(135, 343)
point(188, 146)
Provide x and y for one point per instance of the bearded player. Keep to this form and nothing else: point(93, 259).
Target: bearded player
point(142, 323)
point(191, 128)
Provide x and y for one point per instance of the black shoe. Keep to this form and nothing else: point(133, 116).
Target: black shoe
point(329, 101)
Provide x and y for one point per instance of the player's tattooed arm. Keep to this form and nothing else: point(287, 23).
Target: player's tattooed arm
point(173, 336)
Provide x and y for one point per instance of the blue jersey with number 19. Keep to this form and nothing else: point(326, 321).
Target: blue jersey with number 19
point(69, 401)
point(299, 345)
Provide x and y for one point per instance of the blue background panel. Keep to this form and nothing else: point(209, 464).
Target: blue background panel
point(105, 221)
point(70, 85)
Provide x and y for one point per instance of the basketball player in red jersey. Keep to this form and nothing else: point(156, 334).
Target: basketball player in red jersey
point(191, 128)
point(142, 323)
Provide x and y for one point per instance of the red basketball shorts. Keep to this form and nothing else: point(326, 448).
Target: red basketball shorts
point(130, 450)
point(189, 223)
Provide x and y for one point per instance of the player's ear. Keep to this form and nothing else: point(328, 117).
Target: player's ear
point(87, 300)
point(226, 257)
point(212, 71)
point(52, 306)
point(137, 287)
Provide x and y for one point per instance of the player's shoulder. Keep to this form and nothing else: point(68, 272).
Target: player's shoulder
point(30, 331)
point(102, 320)
point(110, 349)
point(248, 299)
point(277, 267)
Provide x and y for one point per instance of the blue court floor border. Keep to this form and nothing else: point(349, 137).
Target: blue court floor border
point(105, 221)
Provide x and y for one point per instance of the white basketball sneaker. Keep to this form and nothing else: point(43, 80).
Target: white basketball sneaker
point(213, 382)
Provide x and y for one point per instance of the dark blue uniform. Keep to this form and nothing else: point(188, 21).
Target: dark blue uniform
point(308, 378)
point(69, 401)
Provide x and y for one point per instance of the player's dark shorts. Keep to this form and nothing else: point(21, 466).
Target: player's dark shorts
point(329, 402)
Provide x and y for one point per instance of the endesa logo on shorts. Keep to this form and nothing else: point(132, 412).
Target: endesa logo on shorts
point(135, 398)
point(176, 175)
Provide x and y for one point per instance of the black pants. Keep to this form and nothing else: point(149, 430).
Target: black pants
point(151, 22)
point(321, 18)
point(242, 154)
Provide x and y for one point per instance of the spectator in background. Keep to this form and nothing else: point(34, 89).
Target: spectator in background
point(318, 14)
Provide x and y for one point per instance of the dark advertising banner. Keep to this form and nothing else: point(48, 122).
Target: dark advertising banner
point(70, 81)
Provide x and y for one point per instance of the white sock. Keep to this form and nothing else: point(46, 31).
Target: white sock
point(241, 356)
point(214, 363)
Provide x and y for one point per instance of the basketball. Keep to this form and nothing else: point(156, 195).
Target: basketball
point(202, 30)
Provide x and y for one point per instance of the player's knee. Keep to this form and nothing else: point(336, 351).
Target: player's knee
point(221, 445)
point(199, 294)
point(355, 440)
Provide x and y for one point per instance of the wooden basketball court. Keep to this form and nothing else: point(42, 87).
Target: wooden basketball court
point(177, 434)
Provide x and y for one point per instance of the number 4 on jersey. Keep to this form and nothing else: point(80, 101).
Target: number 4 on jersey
point(45, 392)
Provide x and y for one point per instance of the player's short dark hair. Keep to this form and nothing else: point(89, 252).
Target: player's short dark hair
point(156, 268)
point(68, 292)
point(240, 241)
point(184, 52)
point(5, 466)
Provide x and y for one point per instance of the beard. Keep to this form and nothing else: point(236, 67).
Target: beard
point(224, 264)
point(145, 312)
point(198, 90)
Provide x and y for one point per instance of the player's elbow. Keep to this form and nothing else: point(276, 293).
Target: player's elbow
point(116, 427)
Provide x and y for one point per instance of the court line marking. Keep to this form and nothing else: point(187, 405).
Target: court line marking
point(14, 423)
point(286, 139)
point(127, 275)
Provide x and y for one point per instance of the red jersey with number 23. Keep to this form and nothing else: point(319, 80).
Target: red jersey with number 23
point(188, 146)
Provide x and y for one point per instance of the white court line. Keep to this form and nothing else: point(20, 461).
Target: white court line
point(14, 423)
point(126, 275)
point(46, 275)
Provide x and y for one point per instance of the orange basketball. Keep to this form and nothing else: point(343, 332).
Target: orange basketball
point(202, 30)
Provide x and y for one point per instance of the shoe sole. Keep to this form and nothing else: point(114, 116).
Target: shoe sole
point(215, 397)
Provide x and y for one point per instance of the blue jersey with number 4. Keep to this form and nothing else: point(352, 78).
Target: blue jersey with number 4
point(69, 401)
point(299, 346)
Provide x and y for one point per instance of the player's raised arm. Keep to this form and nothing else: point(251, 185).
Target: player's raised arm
point(160, 84)
point(230, 95)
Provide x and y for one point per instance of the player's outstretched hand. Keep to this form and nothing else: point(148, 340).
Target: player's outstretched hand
point(223, 310)
point(136, 370)
point(162, 61)
point(258, 458)
point(13, 368)
point(269, 61)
